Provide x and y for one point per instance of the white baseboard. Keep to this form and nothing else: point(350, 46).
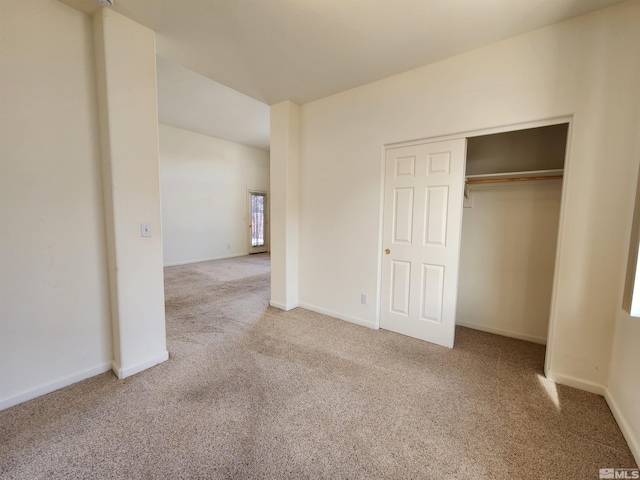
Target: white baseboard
point(200, 260)
point(53, 386)
point(132, 370)
point(574, 382)
point(283, 306)
point(340, 316)
point(504, 333)
point(627, 431)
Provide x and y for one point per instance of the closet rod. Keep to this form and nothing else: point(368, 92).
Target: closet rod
point(515, 179)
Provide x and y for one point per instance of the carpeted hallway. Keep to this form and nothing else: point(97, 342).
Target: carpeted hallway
point(250, 391)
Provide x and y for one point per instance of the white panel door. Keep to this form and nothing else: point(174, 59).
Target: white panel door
point(423, 193)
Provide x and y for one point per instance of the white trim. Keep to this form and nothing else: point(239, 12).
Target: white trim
point(53, 386)
point(340, 316)
point(267, 230)
point(383, 159)
point(123, 373)
point(524, 174)
point(505, 333)
point(625, 428)
point(200, 260)
point(511, 127)
point(627, 431)
point(282, 306)
point(570, 119)
point(574, 382)
point(560, 248)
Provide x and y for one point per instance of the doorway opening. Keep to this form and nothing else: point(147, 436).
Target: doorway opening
point(508, 228)
point(259, 238)
point(510, 225)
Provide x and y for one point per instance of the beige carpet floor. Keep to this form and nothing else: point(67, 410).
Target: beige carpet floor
point(250, 391)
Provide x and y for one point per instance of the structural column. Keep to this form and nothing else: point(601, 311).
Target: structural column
point(284, 178)
point(127, 95)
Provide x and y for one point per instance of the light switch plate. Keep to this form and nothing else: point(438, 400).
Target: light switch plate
point(145, 229)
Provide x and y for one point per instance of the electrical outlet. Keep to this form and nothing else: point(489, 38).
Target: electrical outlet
point(363, 299)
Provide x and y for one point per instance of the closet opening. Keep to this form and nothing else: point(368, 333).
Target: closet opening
point(510, 221)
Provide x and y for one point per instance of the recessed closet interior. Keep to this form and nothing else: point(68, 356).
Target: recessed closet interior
point(509, 231)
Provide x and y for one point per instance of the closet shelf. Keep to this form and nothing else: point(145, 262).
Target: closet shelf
point(526, 176)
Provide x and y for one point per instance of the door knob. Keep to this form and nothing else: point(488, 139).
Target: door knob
point(387, 251)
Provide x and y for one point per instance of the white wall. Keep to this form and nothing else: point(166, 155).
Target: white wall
point(507, 258)
point(54, 306)
point(624, 379)
point(204, 182)
point(126, 79)
point(586, 67)
point(285, 205)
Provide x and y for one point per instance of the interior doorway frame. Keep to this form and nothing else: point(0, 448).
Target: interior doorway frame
point(566, 183)
point(265, 194)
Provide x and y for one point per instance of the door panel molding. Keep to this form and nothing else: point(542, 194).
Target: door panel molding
point(560, 248)
point(423, 187)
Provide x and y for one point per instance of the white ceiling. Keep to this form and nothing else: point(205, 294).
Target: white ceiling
point(303, 50)
point(190, 101)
